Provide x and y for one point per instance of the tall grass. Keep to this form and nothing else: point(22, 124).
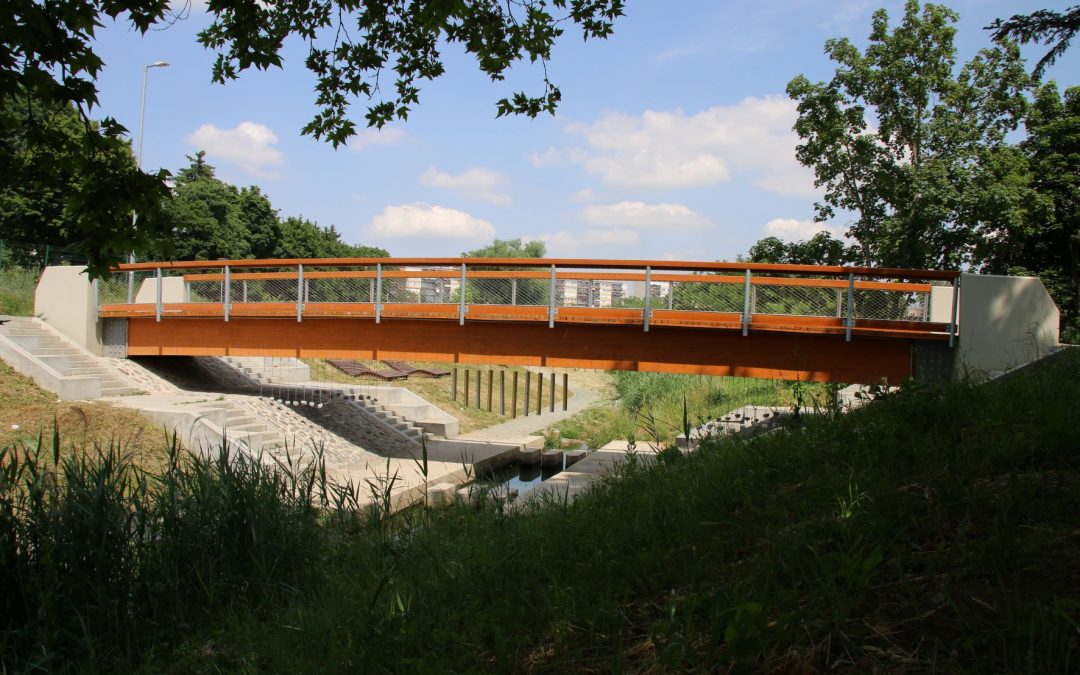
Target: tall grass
point(17, 286)
point(99, 559)
point(932, 531)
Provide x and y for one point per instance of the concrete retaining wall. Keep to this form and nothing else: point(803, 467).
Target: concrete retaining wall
point(1005, 322)
point(64, 299)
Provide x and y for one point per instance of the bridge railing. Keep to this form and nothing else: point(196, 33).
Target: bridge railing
point(736, 296)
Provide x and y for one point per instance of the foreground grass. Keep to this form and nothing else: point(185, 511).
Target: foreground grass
point(932, 531)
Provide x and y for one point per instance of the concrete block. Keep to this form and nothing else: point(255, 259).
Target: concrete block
point(441, 494)
point(575, 456)
point(552, 459)
point(529, 456)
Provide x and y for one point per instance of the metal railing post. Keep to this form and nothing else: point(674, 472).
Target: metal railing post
point(513, 291)
point(461, 299)
point(97, 299)
point(299, 293)
point(227, 299)
point(671, 295)
point(157, 300)
point(244, 286)
point(647, 310)
point(849, 322)
point(131, 282)
point(378, 293)
point(551, 300)
point(746, 305)
point(955, 309)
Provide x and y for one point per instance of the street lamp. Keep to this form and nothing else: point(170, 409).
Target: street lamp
point(142, 107)
point(138, 162)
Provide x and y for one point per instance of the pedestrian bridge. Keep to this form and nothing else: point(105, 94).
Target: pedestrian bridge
point(815, 323)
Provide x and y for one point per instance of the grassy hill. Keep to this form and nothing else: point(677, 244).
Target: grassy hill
point(936, 530)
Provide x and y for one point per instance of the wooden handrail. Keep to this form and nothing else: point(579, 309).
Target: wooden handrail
point(584, 276)
point(579, 263)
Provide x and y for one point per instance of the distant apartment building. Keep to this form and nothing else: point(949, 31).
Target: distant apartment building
point(430, 290)
point(659, 289)
point(588, 293)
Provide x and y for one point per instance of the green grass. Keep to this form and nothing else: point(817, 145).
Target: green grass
point(932, 531)
point(17, 287)
point(649, 406)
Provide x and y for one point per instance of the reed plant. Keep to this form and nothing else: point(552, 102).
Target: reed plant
point(100, 558)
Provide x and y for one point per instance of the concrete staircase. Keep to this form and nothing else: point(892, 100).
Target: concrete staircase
point(268, 370)
point(241, 425)
point(56, 363)
point(303, 393)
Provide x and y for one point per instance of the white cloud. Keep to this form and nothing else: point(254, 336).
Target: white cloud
point(585, 195)
point(475, 183)
point(386, 136)
point(249, 145)
point(673, 149)
point(790, 229)
point(569, 243)
point(424, 220)
point(640, 214)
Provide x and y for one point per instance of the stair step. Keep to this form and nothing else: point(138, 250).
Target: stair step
point(117, 391)
point(250, 428)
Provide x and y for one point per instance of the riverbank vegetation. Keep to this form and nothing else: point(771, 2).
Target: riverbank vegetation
point(932, 530)
point(649, 406)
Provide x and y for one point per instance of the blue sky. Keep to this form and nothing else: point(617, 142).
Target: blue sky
point(672, 141)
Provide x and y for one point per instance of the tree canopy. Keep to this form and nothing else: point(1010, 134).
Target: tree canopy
point(509, 248)
point(65, 181)
point(214, 220)
point(48, 61)
point(1045, 26)
point(916, 149)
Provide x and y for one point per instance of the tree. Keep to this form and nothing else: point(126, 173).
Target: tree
point(910, 146)
point(47, 57)
point(1045, 26)
point(216, 220)
point(503, 291)
point(1048, 244)
point(207, 215)
point(509, 248)
point(64, 182)
point(820, 249)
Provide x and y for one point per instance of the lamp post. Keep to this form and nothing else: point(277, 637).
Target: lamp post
point(138, 162)
point(142, 106)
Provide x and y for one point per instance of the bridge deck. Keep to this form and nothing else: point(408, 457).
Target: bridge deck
point(823, 323)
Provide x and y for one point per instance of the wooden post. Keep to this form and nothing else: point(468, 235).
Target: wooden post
point(528, 380)
point(491, 379)
point(551, 396)
point(453, 383)
point(502, 393)
point(478, 389)
point(466, 387)
point(539, 393)
point(565, 382)
point(513, 398)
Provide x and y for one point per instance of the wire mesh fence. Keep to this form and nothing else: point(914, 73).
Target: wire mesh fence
point(38, 256)
point(671, 290)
